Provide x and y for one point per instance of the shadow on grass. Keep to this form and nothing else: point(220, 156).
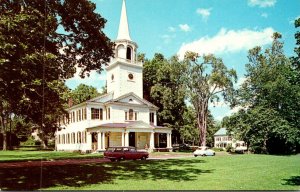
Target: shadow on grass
point(294, 180)
point(86, 174)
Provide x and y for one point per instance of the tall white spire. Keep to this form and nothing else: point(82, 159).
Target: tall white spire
point(123, 27)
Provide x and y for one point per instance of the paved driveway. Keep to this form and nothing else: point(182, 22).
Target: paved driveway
point(155, 156)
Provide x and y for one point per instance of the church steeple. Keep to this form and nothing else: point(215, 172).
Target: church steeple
point(123, 27)
point(124, 72)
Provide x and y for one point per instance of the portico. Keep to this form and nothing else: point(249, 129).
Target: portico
point(137, 134)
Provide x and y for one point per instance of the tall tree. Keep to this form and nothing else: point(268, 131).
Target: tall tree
point(164, 87)
point(41, 44)
point(271, 122)
point(206, 78)
point(82, 93)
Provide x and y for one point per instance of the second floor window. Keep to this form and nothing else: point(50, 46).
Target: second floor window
point(151, 117)
point(95, 113)
point(130, 114)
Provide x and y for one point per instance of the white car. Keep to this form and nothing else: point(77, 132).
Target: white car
point(204, 151)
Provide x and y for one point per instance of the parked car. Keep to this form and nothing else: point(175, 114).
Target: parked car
point(122, 153)
point(204, 151)
point(181, 147)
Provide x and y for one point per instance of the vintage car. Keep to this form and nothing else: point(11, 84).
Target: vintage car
point(204, 151)
point(122, 153)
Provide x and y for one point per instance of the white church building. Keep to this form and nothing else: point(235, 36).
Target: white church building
point(121, 117)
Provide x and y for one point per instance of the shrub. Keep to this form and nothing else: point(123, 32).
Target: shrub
point(229, 148)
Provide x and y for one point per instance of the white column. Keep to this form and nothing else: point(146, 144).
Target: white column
point(89, 140)
point(103, 140)
point(168, 140)
point(123, 144)
point(152, 140)
point(99, 141)
point(126, 139)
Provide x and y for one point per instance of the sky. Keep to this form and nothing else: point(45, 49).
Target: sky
point(226, 28)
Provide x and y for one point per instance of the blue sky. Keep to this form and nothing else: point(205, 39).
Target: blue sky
point(226, 28)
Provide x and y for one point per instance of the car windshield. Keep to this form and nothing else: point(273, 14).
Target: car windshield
point(111, 149)
point(203, 148)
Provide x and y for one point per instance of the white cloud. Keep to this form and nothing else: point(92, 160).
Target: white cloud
point(185, 27)
point(205, 13)
point(228, 41)
point(265, 15)
point(168, 38)
point(171, 29)
point(262, 3)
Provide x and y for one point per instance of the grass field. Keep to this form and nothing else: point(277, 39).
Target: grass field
point(22, 155)
point(233, 172)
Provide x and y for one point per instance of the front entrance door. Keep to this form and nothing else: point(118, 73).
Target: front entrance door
point(132, 139)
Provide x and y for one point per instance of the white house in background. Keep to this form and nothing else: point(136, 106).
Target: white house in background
point(121, 117)
point(222, 140)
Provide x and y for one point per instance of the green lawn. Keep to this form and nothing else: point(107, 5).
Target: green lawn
point(23, 155)
point(232, 172)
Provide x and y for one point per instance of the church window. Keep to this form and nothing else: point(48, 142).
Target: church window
point(108, 113)
point(79, 115)
point(112, 77)
point(152, 118)
point(73, 116)
point(73, 138)
point(130, 114)
point(130, 76)
point(128, 53)
point(120, 51)
point(68, 138)
point(84, 114)
point(101, 114)
point(95, 113)
point(126, 115)
point(130, 100)
point(135, 116)
point(78, 137)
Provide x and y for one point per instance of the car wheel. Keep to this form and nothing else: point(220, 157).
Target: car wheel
point(122, 158)
point(214, 154)
point(112, 160)
point(195, 155)
point(143, 158)
point(204, 155)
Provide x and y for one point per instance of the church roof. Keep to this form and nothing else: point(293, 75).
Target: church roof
point(123, 33)
point(143, 101)
point(221, 132)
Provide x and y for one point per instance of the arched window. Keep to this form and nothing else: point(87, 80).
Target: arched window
point(63, 139)
point(130, 114)
point(128, 53)
point(120, 51)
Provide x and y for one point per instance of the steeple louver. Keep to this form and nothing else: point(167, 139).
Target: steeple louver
point(123, 27)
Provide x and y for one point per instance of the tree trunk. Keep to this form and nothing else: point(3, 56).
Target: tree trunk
point(3, 131)
point(202, 122)
point(44, 140)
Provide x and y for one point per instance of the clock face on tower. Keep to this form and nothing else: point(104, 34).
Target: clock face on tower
point(130, 76)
